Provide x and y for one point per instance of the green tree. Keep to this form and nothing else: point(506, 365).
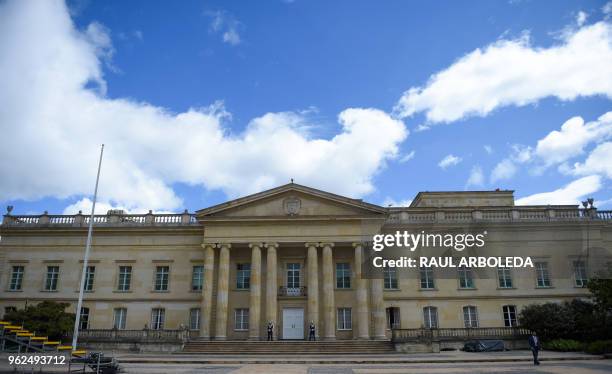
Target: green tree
point(47, 318)
point(549, 320)
point(601, 288)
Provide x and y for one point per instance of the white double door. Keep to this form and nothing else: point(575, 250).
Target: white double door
point(293, 323)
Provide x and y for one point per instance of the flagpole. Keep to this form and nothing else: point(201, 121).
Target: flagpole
point(75, 333)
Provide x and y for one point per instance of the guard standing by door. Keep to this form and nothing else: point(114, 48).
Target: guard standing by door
point(311, 331)
point(270, 331)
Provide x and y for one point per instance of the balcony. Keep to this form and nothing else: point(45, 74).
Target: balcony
point(292, 291)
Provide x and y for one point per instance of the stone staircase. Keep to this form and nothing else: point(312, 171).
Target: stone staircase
point(288, 347)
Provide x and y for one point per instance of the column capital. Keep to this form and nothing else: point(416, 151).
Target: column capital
point(209, 245)
point(326, 244)
point(258, 245)
point(271, 245)
point(357, 244)
point(311, 244)
point(226, 245)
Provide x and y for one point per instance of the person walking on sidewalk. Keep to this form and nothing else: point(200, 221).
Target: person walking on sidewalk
point(534, 344)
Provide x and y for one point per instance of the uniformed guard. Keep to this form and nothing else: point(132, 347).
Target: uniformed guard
point(311, 331)
point(270, 331)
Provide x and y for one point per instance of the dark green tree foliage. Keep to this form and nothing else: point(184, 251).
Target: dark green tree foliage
point(578, 319)
point(601, 288)
point(47, 318)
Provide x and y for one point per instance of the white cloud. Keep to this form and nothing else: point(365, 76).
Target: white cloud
point(505, 169)
point(224, 23)
point(570, 141)
point(508, 167)
point(449, 160)
point(598, 162)
point(607, 9)
point(52, 126)
point(488, 149)
point(407, 157)
point(514, 72)
point(476, 177)
point(581, 18)
point(571, 193)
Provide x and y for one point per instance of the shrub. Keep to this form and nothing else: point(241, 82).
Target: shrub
point(46, 318)
point(563, 345)
point(599, 347)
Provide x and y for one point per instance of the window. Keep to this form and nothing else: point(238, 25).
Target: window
point(241, 319)
point(543, 279)
point(393, 318)
point(466, 280)
point(16, 278)
point(345, 321)
point(509, 315)
point(470, 316)
point(194, 319)
point(197, 278)
point(84, 319)
point(293, 275)
point(580, 274)
point(504, 277)
point(430, 317)
point(390, 278)
point(158, 316)
point(125, 278)
point(89, 278)
point(52, 278)
point(427, 280)
point(119, 315)
point(162, 276)
point(343, 275)
point(243, 276)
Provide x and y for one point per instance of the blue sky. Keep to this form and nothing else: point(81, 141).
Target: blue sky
point(282, 73)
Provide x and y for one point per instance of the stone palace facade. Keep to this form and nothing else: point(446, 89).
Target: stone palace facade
point(292, 255)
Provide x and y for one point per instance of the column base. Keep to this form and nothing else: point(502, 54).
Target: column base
point(254, 338)
point(364, 337)
point(220, 338)
point(327, 338)
point(380, 337)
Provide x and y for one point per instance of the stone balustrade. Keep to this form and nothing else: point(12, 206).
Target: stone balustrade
point(513, 214)
point(396, 216)
point(110, 219)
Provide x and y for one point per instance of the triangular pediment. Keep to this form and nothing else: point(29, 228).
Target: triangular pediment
point(292, 200)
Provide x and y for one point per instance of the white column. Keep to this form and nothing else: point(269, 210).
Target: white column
point(207, 290)
point(361, 297)
point(271, 287)
point(255, 296)
point(313, 286)
point(329, 307)
point(222, 292)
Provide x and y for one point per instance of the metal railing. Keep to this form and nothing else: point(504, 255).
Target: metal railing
point(292, 291)
point(423, 334)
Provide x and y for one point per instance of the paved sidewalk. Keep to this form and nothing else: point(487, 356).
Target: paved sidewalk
point(446, 362)
point(443, 357)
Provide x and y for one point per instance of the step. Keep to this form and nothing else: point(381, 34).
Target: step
point(289, 347)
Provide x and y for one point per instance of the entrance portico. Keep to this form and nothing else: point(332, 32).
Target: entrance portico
point(289, 256)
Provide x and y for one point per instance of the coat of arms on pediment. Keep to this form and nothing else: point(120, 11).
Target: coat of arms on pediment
point(292, 205)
